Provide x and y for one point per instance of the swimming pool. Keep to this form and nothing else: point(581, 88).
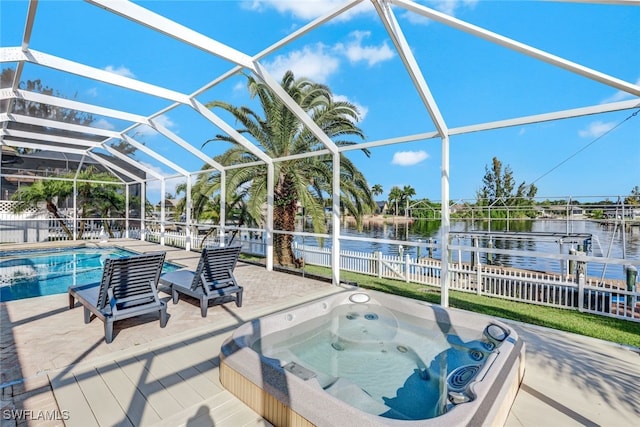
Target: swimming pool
point(39, 272)
point(367, 358)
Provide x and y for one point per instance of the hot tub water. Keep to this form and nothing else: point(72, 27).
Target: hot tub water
point(361, 357)
point(384, 363)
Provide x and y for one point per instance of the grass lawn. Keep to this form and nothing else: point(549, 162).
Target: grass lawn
point(606, 328)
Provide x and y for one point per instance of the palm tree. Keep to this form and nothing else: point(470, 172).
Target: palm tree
point(407, 193)
point(395, 195)
point(50, 192)
point(377, 190)
point(104, 200)
point(92, 198)
point(306, 181)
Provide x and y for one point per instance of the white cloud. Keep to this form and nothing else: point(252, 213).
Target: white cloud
point(319, 62)
point(93, 92)
point(415, 18)
point(165, 121)
point(449, 7)
point(103, 124)
point(409, 158)
point(596, 129)
point(155, 185)
point(240, 87)
point(355, 51)
point(312, 62)
point(121, 71)
point(620, 95)
point(145, 130)
point(362, 110)
point(306, 9)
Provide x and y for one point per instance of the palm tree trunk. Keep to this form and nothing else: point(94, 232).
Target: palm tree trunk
point(83, 222)
point(284, 218)
point(52, 208)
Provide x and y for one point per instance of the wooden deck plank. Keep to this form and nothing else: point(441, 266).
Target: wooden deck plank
point(199, 375)
point(130, 398)
point(209, 347)
point(228, 411)
point(166, 375)
point(244, 416)
point(102, 402)
point(198, 410)
point(152, 389)
point(259, 422)
point(70, 398)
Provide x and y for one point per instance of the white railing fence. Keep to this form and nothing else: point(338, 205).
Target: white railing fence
point(608, 297)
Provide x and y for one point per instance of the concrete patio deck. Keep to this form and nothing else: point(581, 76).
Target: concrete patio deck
point(53, 365)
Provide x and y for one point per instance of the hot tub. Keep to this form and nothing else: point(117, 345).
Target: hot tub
point(368, 358)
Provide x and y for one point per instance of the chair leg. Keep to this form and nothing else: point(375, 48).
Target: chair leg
point(175, 296)
point(204, 305)
point(163, 316)
point(239, 298)
point(87, 315)
point(72, 301)
point(108, 331)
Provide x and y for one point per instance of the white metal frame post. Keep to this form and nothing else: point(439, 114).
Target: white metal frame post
point(223, 205)
point(143, 209)
point(75, 209)
point(187, 216)
point(163, 189)
point(269, 222)
point(445, 224)
point(126, 214)
point(335, 222)
point(410, 63)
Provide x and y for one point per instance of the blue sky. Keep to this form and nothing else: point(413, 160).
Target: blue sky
point(472, 80)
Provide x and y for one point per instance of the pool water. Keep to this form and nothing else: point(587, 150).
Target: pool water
point(34, 273)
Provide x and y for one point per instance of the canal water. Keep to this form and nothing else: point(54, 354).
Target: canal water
point(606, 241)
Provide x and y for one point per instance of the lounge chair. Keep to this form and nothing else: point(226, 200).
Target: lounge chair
point(213, 279)
point(128, 288)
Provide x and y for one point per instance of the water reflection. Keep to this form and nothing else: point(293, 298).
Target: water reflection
point(606, 241)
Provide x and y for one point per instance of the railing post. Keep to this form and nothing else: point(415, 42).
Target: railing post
point(407, 260)
point(187, 239)
point(479, 277)
point(379, 255)
point(581, 292)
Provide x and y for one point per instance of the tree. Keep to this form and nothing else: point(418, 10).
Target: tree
point(425, 209)
point(634, 197)
point(98, 198)
point(93, 198)
point(498, 186)
point(49, 192)
point(40, 110)
point(306, 181)
point(49, 112)
point(395, 196)
point(407, 193)
point(376, 190)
